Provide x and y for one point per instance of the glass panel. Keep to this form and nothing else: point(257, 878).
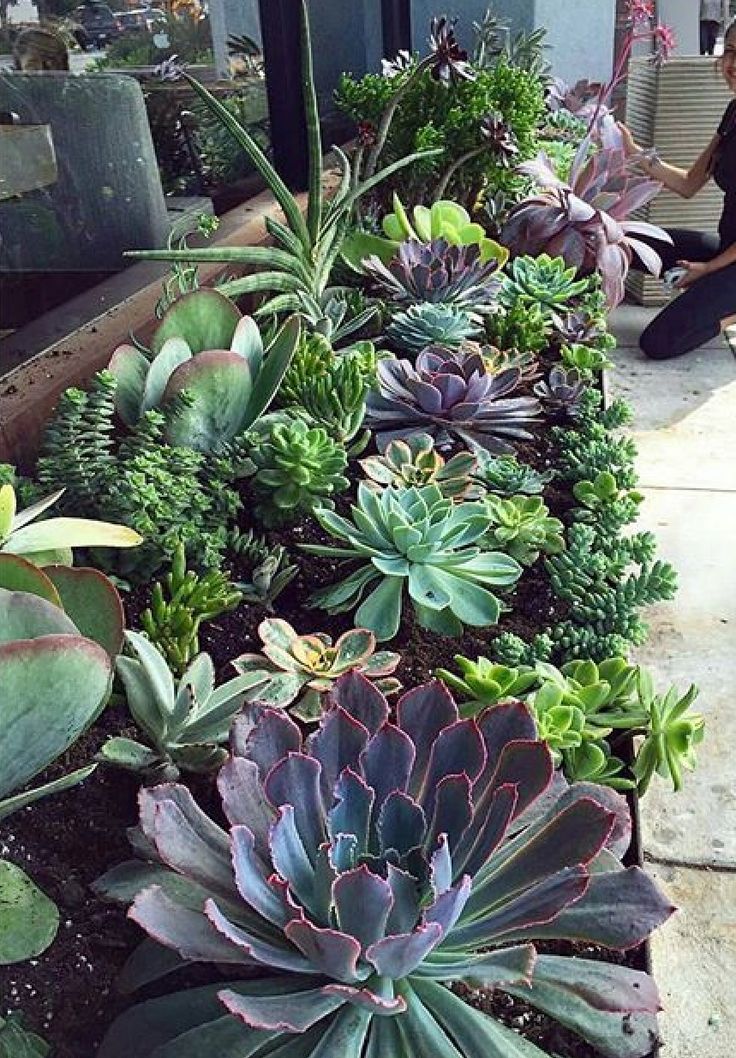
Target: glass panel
point(103, 147)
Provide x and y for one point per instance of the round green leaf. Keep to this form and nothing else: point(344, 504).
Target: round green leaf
point(26, 616)
point(205, 319)
point(28, 919)
point(92, 602)
point(18, 574)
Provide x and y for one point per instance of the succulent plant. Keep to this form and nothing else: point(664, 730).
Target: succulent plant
point(444, 219)
point(440, 273)
point(415, 462)
point(418, 539)
point(17, 1042)
point(450, 395)
point(521, 328)
point(522, 527)
point(506, 476)
point(585, 359)
point(583, 327)
point(86, 596)
point(51, 540)
point(427, 324)
point(586, 220)
point(179, 605)
point(331, 387)
point(370, 866)
point(484, 683)
point(298, 467)
point(498, 360)
point(206, 349)
point(499, 138)
point(54, 682)
point(545, 281)
point(563, 390)
point(186, 723)
point(300, 671)
point(669, 745)
point(449, 62)
point(267, 567)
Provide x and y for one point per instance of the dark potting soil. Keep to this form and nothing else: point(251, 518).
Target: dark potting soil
point(68, 994)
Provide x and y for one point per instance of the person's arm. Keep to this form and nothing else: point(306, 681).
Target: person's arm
point(697, 269)
point(684, 182)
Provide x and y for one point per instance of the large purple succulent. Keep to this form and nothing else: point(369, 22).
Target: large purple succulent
point(586, 221)
point(365, 868)
point(439, 273)
point(451, 395)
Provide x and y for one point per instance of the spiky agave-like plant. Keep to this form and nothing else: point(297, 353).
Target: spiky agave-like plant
point(372, 865)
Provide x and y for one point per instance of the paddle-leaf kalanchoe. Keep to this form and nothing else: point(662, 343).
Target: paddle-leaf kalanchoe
point(366, 868)
point(419, 540)
point(451, 395)
point(186, 723)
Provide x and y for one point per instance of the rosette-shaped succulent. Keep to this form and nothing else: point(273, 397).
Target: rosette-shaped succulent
point(427, 324)
point(507, 476)
point(452, 396)
point(440, 273)
point(563, 390)
point(303, 669)
point(496, 132)
point(415, 462)
point(298, 467)
point(522, 527)
point(369, 866)
point(418, 540)
point(545, 281)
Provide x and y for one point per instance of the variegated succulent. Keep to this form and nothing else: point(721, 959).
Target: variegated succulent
point(415, 462)
point(451, 395)
point(368, 867)
point(298, 671)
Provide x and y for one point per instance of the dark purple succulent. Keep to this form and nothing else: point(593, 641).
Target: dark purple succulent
point(499, 137)
point(449, 62)
point(579, 327)
point(563, 390)
point(364, 869)
point(451, 395)
point(439, 273)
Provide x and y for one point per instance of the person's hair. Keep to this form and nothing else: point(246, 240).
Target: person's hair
point(730, 31)
point(40, 49)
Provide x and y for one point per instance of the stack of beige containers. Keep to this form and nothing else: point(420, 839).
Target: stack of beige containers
point(675, 107)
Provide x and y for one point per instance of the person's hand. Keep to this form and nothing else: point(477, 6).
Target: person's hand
point(630, 145)
point(695, 271)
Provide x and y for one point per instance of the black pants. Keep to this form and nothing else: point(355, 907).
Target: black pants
point(693, 317)
point(708, 35)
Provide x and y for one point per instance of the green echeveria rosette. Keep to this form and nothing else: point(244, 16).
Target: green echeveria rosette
point(365, 869)
point(298, 468)
point(418, 540)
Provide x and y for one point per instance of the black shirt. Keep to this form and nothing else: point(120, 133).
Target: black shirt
point(724, 174)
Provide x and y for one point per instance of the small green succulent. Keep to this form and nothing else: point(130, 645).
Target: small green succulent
point(485, 683)
point(604, 504)
point(521, 326)
point(429, 324)
point(506, 476)
point(419, 540)
point(266, 567)
point(669, 745)
point(299, 671)
point(179, 605)
point(586, 359)
point(544, 281)
point(331, 387)
point(522, 527)
point(185, 723)
point(297, 467)
point(415, 461)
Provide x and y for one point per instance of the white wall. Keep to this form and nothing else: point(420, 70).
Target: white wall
point(684, 17)
point(580, 35)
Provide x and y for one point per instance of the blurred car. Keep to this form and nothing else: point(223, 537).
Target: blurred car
point(98, 23)
point(146, 18)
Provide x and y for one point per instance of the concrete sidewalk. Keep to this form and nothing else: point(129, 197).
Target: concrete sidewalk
point(685, 429)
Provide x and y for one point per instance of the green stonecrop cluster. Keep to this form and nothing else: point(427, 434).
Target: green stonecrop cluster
point(507, 476)
point(524, 327)
point(167, 493)
point(522, 527)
